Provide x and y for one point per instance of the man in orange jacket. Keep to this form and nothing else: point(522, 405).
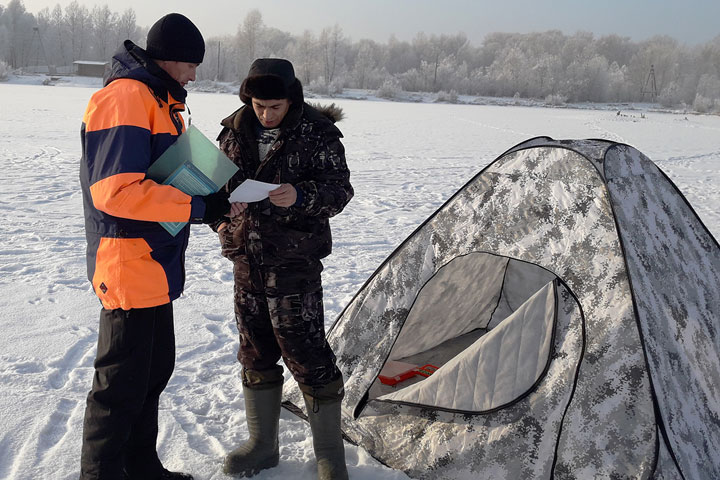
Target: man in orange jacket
point(136, 267)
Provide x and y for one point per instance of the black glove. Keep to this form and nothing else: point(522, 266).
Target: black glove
point(216, 206)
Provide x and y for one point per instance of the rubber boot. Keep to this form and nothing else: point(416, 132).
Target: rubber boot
point(323, 407)
point(262, 412)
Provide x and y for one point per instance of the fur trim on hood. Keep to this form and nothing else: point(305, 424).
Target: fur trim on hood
point(333, 112)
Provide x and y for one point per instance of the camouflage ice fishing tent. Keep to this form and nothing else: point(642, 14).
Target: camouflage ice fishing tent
point(571, 298)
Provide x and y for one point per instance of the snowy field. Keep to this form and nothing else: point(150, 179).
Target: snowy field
point(406, 160)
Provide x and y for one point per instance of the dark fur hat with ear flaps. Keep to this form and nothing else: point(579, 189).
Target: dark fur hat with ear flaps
point(271, 79)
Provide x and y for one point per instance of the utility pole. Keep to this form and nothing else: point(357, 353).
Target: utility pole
point(217, 75)
point(650, 86)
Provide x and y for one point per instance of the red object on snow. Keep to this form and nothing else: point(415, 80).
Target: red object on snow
point(426, 370)
point(395, 372)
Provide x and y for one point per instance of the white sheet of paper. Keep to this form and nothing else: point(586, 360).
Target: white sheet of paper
point(251, 191)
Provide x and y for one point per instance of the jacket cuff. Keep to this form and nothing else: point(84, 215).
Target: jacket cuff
point(197, 209)
point(300, 197)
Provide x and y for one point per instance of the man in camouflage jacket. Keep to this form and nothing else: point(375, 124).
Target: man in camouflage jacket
point(276, 246)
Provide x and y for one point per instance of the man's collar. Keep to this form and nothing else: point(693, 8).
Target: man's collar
point(170, 85)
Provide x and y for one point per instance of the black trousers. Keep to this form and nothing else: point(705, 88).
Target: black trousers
point(135, 359)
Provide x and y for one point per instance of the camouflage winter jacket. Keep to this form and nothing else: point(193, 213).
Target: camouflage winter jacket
point(307, 154)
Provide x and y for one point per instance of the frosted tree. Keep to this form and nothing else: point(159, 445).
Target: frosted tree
point(248, 40)
point(433, 50)
point(546, 65)
point(78, 22)
point(617, 89)
point(508, 72)
point(616, 49)
point(451, 75)
point(59, 37)
point(275, 42)
point(104, 31)
point(217, 64)
point(127, 28)
point(17, 25)
point(401, 56)
point(366, 62)
point(544, 75)
point(330, 43)
point(707, 98)
point(597, 73)
point(4, 40)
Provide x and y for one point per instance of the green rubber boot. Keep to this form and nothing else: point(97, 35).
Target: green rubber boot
point(262, 412)
point(323, 406)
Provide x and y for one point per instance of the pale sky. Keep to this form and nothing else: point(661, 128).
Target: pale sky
point(689, 21)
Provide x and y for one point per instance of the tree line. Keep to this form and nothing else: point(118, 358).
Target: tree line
point(550, 66)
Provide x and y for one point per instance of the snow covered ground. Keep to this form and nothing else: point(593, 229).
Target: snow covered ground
point(406, 160)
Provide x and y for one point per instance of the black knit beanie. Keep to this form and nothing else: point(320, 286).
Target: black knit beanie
point(271, 79)
point(175, 37)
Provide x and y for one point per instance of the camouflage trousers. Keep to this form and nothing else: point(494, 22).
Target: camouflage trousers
point(279, 314)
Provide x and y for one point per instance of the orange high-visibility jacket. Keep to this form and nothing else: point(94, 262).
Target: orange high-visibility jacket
point(133, 262)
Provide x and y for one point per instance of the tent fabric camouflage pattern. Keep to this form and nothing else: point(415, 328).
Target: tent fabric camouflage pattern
point(632, 390)
point(675, 273)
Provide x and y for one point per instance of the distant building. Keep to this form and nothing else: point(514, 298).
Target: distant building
point(86, 68)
